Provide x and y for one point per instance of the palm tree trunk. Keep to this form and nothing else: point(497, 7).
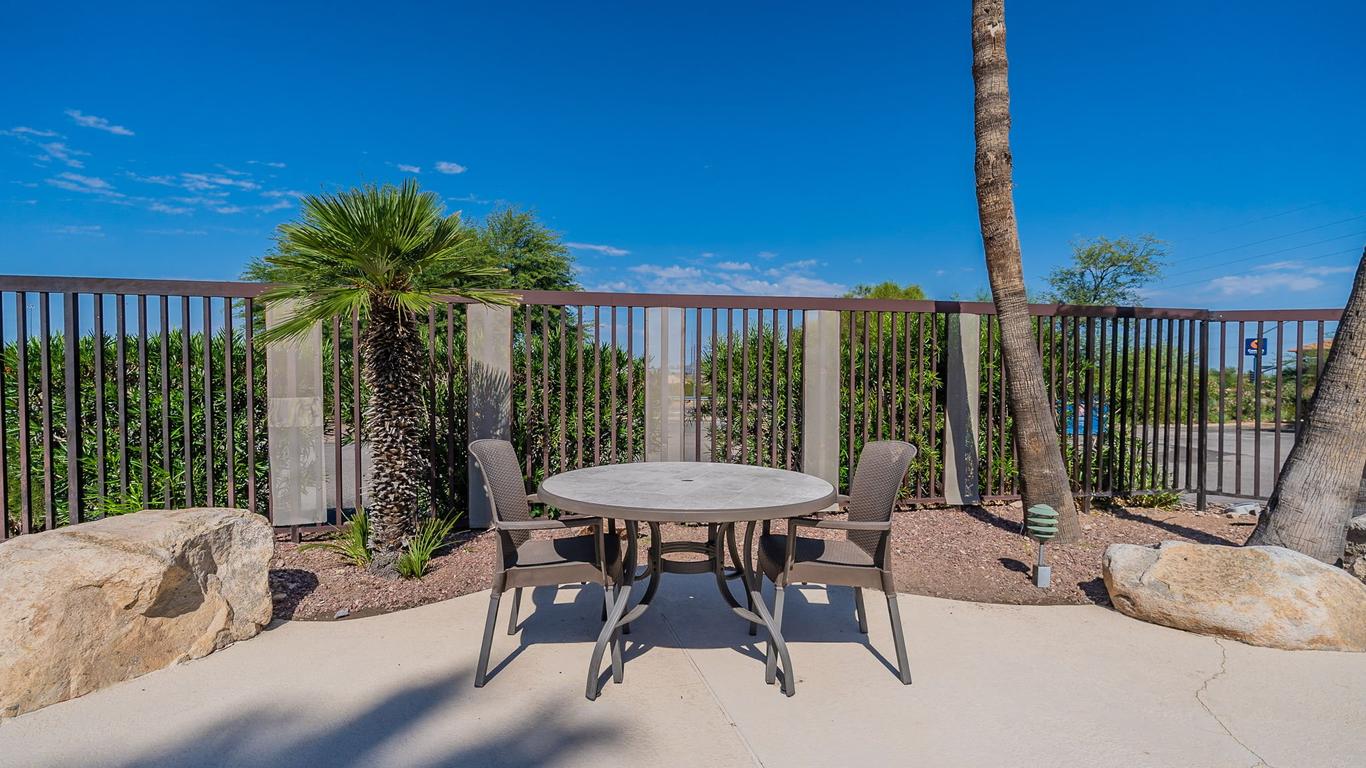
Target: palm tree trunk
point(1043, 477)
point(1317, 489)
point(393, 420)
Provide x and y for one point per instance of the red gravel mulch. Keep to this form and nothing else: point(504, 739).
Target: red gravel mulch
point(974, 553)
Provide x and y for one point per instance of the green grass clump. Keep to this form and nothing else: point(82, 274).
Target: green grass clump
point(351, 542)
point(431, 536)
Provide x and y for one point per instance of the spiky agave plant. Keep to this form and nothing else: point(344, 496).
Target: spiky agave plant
point(386, 253)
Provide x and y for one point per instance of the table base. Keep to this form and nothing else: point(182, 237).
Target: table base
point(721, 536)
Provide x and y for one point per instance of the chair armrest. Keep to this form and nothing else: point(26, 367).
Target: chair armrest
point(842, 498)
point(842, 525)
point(532, 498)
point(546, 524)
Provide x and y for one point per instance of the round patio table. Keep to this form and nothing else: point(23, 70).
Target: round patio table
point(719, 495)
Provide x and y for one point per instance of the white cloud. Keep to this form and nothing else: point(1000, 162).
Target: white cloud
point(294, 193)
point(160, 207)
point(56, 150)
point(677, 278)
point(1253, 285)
point(23, 130)
point(229, 209)
point(443, 166)
point(767, 255)
point(410, 168)
point(98, 123)
point(91, 230)
point(174, 232)
point(734, 266)
point(1300, 266)
point(74, 182)
point(266, 163)
point(198, 182)
point(606, 250)
point(470, 198)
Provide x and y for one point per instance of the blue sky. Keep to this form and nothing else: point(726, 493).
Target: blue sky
point(764, 147)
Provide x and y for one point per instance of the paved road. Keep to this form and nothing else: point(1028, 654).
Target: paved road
point(994, 685)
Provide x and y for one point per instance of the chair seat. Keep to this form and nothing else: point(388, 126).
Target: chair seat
point(565, 550)
point(773, 548)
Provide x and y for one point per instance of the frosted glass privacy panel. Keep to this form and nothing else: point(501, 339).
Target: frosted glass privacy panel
point(962, 389)
point(294, 393)
point(665, 348)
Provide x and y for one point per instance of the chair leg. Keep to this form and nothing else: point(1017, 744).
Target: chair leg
point(899, 638)
point(516, 604)
point(758, 587)
point(771, 665)
point(859, 610)
point(617, 645)
point(481, 672)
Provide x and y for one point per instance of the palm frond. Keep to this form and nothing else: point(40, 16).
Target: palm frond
point(375, 244)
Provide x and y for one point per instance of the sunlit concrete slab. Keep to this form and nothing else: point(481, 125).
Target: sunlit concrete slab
point(993, 685)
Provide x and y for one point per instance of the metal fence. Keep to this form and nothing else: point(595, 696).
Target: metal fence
point(160, 399)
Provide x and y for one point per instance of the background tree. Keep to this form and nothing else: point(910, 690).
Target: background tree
point(386, 253)
point(1043, 475)
point(530, 254)
point(887, 290)
point(1317, 489)
point(1105, 271)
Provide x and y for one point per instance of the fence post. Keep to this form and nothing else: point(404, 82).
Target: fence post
point(71, 364)
point(294, 418)
point(489, 349)
point(665, 348)
point(1202, 440)
point(821, 395)
point(961, 402)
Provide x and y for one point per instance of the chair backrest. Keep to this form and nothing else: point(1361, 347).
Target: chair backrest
point(497, 460)
point(877, 480)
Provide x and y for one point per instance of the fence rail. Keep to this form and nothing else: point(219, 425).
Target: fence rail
point(118, 394)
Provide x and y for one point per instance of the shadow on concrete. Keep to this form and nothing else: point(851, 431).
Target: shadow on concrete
point(281, 737)
point(687, 613)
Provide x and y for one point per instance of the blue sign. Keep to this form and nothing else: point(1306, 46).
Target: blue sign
point(1254, 347)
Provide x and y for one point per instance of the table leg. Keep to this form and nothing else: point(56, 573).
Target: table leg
point(616, 600)
point(757, 610)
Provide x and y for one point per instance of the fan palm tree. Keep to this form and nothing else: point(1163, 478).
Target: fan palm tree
point(387, 253)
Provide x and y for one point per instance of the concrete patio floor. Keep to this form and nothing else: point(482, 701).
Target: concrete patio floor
point(994, 685)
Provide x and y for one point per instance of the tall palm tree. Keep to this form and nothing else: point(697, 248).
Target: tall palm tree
point(1317, 489)
point(386, 253)
point(1043, 476)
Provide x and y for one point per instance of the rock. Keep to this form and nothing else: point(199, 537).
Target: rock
point(1267, 596)
point(1356, 538)
point(341, 613)
point(90, 605)
point(1245, 508)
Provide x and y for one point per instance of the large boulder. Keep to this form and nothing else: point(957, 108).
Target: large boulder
point(1267, 596)
point(89, 605)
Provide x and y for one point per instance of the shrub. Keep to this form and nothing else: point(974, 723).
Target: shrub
point(351, 542)
point(431, 536)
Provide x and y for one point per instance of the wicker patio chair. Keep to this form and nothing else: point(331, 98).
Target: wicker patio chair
point(863, 559)
point(526, 562)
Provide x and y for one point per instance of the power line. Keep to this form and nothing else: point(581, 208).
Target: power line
point(1268, 253)
point(1277, 237)
point(1307, 258)
point(1258, 221)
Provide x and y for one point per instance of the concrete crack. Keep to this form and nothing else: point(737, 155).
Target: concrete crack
point(738, 730)
point(1199, 697)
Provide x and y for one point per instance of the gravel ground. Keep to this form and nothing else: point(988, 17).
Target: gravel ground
point(974, 554)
